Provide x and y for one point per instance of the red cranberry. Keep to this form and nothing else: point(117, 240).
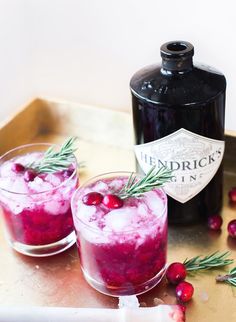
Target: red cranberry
point(29, 175)
point(184, 291)
point(67, 173)
point(176, 273)
point(17, 167)
point(232, 228)
point(92, 198)
point(215, 222)
point(112, 201)
point(232, 194)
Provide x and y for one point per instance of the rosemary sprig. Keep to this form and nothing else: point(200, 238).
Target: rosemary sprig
point(153, 179)
point(216, 259)
point(53, 161)
point(229, 278)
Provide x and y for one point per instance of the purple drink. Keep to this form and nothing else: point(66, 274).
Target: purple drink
point(36, 207)
point(122, 251)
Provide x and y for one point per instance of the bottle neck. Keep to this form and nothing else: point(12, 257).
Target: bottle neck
point(177, 57)
point(179, 65)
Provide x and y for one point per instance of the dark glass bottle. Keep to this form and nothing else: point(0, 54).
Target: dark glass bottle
point(178, 117)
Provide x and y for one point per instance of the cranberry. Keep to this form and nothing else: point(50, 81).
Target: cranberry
point(67, 173)
point(92, 198)
point(184, 291)
point(29, 175)
point(232, 228)
point(17, 167)
point(176, 273)
point(232, 194)
point(215, 222)
point(112, 201)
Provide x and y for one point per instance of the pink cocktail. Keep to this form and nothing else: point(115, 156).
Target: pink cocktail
point(36, 207)
point(122, 251)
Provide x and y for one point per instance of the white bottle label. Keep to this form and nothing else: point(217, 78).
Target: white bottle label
point(193, 158)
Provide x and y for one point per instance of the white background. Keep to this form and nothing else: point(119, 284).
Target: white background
point(87, 50)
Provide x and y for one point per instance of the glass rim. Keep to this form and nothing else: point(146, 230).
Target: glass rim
point(44, 191)
point(108, 174)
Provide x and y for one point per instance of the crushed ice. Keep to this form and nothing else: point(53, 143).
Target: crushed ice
point(53, 179)
point(39, 185)
point(155, 204)
point(101, 187)
point(120, 219)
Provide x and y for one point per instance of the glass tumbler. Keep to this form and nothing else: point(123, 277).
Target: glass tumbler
point(36, 212)
point(122, 251)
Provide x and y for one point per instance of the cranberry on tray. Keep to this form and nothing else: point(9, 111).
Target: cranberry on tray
point(184, 291)
point(232, 228)
point(215, 222)
point(176, 273)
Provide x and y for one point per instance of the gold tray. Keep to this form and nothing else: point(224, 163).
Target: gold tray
point(105, 144)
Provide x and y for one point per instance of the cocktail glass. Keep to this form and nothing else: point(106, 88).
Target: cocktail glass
point(37, 213)
point(122, 251)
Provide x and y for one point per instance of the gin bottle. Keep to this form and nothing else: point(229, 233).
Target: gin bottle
point(178, 118)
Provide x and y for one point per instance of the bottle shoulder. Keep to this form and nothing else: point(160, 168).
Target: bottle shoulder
point(201, 84)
